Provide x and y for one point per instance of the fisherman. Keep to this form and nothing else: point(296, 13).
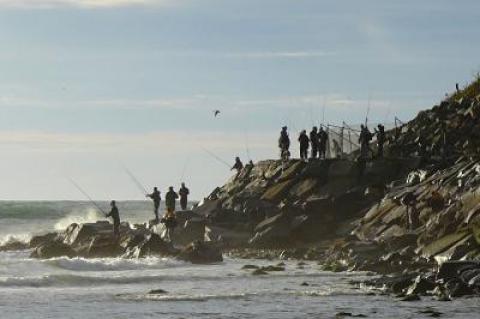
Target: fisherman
point(238, 166)
point(304, 141)
point(322, 142)
point(155, 196)
point(364, 140)
point(284, 143)
point(170, 222)
point(314, 142)
point(170, 200)
point(380, 139)
point(410, 201)
point(183, 192)
point(116, 219)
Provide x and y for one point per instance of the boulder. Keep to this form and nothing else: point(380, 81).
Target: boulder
point(152, 245)
point(53, 249)
point(42, 239)
point(201, 253)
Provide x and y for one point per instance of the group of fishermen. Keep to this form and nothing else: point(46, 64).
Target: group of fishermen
point(318, 140)
point(169, 218)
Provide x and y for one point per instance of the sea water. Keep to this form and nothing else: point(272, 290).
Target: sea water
point(119, 288)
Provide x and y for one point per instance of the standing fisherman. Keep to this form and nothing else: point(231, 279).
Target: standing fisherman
point(304, 141)
point(323, 139)
point(284, 144)
point(155, 196)
point(380, 140)
point(364, 140)
point(184, 192)
point(170, 199)
point(238, 166)
point(314, 141)
point(116, 219)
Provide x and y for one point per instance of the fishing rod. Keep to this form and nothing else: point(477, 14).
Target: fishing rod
point(216, 157)
point(135, 181)
point(246, 145)
point(86, 195)
point(185, 166)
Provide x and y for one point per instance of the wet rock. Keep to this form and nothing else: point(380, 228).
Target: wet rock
point(451, 269)
point(431, 312)
point(152, 245)
point(272, 268)
point(201, 253)
point(42, 239)
point(157, 292)
point(259, 272)
point(247, 267)
point(52, 250)
point(412, 297)
point(349, 314)
point(421, 285)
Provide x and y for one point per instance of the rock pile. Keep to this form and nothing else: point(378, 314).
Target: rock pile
point(96, 240)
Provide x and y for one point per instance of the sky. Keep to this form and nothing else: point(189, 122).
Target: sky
point(89, 87)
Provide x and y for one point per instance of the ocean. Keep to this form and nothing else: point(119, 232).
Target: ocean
point(119, 288)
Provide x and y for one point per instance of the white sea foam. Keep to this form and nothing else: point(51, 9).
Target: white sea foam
point(112, 264)
point(8, 238)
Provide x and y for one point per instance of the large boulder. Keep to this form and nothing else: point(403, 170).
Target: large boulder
point(152, 245)
point(38, 240)
point(273, 231)
point(201, 253)
point(53, 249)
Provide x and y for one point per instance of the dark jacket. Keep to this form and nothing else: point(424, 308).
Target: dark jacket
point(170, 198)
point(155, 196)
point(303, 139)
point(115, 215)
point(184, 192)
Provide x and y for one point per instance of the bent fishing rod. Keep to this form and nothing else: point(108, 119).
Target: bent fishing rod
point(86, 195)
point(216, 157)
point(135, 181)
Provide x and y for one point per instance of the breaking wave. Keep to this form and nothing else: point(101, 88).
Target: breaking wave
point(9, 238)
point(112, 264)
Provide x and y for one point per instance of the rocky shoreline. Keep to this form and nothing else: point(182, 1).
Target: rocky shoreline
point(345, 214)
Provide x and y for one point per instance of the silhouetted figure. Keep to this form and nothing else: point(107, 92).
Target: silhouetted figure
point(238, 166)
point(116, 219)
point(183, 192)
point(170, 199)
point(155, 196)
point(284, 143)
point(322, 142)
point(314, 142)
point(410, 201)
point(304, 141)
point(380, 140)
point(364, 140)
point(457, 87)
point(170, 222)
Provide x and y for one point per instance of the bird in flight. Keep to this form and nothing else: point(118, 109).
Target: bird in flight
point(216, 112)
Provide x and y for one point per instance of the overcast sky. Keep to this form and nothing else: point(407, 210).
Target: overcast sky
point(87, 86)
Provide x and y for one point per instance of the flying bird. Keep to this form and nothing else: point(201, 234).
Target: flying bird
point(216, 112)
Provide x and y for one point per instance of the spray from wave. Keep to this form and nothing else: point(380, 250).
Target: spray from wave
point(90, 216)
point(12, 238)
